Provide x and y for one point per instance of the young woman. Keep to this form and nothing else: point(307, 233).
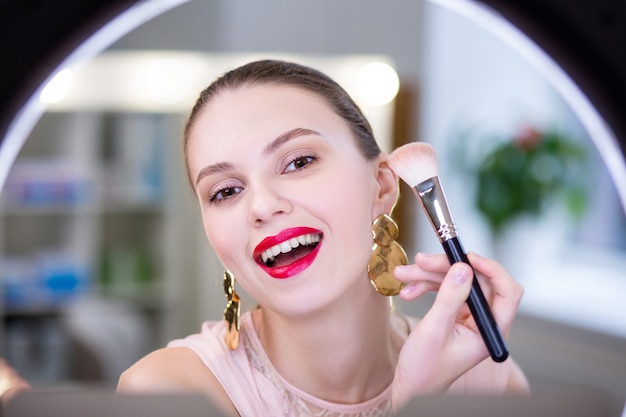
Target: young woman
point(292, 187)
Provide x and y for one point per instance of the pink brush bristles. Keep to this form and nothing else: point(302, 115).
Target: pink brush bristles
point(414, 162)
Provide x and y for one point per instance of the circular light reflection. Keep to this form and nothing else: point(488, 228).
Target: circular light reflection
point(377, 83)
point(58, 88)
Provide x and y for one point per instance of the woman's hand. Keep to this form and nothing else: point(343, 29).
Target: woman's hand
point(446, 344)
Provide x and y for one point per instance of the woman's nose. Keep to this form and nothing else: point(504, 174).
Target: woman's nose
point(265, 202)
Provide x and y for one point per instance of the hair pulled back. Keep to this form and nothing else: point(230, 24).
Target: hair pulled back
point(296, 75)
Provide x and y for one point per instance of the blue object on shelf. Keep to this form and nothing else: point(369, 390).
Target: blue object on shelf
point(43, 281)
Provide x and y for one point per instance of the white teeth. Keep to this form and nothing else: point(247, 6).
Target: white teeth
point(285, 247)
point(288, 245)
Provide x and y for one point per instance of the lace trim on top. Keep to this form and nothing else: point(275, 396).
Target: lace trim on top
point(296, 402)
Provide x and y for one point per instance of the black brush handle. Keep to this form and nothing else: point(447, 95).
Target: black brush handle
point(478, 305)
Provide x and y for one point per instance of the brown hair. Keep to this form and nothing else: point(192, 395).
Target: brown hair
point(288, 73)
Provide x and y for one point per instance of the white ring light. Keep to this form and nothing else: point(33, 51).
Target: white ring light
point(598, 130)
point(23, 123)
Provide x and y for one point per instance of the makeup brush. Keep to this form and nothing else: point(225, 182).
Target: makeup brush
point(416, 164)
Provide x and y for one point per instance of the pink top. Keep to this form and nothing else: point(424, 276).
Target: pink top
point(253, 384)
point(257, 389)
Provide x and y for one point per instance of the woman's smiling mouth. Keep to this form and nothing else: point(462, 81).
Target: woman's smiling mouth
point(289, 252)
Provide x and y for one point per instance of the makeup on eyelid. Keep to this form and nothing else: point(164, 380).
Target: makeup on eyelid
point(298, 154)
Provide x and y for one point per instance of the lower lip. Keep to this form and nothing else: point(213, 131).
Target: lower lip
point(294, 268)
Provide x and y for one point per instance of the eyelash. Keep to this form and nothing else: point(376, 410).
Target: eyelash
point(217, 196)
point(310, 160)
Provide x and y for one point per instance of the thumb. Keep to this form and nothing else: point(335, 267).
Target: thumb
point(453, 294)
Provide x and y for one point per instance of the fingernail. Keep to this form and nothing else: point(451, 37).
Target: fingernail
point(402, 268)
point(407, 290)
point(460, 274)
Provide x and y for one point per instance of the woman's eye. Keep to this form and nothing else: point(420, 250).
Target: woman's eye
point(299, 163)
point(224, 194)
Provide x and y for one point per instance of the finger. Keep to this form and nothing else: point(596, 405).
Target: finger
point(496, 276)
point(416, 289)
point(485, 285)
point(438, 263)
point(506, 292)
point(451, 297)
point(409, 273)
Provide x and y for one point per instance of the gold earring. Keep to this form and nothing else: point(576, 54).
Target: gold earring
point(386, 255)
point(231, 313)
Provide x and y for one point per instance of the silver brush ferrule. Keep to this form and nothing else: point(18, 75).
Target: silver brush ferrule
point(434, 202)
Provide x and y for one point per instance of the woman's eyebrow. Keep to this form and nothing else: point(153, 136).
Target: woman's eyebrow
point(213, 169)
point(269, 149)
point(287, 136)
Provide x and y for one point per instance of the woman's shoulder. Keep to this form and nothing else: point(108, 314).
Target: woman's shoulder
point(180, 366)
point(167, 369)
point(174, 370)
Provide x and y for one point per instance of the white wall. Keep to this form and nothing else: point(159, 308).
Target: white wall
point(474, 83)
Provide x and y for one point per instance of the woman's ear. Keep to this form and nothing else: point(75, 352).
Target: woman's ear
point(387, 187)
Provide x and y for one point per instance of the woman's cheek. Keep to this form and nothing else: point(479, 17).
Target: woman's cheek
point(220, 233)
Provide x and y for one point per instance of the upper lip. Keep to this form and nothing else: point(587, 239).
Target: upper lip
point(282, 236)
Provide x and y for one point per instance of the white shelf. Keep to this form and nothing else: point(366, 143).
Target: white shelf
point(88, 214)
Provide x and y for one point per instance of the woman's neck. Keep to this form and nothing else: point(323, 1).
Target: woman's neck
point(346, 353)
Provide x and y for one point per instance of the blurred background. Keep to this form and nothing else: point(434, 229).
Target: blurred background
point(102, 252)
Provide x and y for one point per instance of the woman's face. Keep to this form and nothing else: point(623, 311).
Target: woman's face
point(287, 199)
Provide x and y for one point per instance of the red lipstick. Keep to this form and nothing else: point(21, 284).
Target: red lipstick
point(295, 267)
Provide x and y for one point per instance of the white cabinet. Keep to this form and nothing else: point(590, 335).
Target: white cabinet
point(94, 214)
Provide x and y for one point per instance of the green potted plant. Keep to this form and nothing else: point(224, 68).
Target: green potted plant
point(524, 174)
